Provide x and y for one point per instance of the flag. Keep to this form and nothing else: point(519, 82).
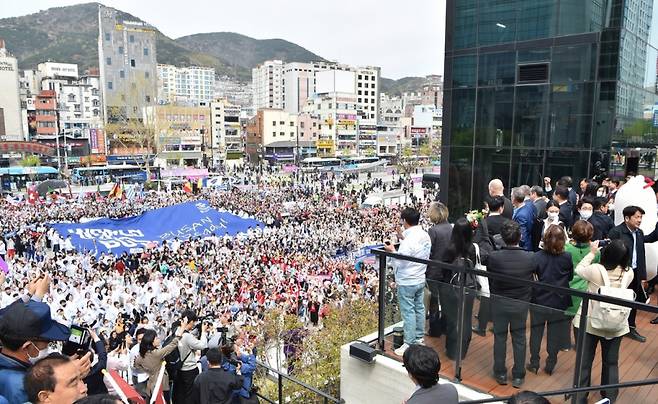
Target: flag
point(4, 267)
point(131, 192)
point(122, 388)
point(199, 184)
point(187, 187)
point(32, 195)
point(116, 192)
point(158, 396)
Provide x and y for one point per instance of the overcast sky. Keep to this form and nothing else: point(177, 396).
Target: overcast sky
point(404, 38)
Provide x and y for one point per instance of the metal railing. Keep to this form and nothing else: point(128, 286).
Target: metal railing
point(461, 293)
point(275, 374)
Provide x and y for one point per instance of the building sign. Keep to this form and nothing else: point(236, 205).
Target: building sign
point(349, 117)
point(94, 159)
point(325, 144)
point(6, 66)
point(96, 141)
point(655, 119)
point(418, 131)
point(367, 127)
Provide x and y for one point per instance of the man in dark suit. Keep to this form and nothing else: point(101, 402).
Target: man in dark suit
point(600, 219)
point(215, 385)
point(496, 188)
point(566, 181)
point(495, 219)
point(633, 237)
point(524, 214)
point(510, 306)
point(538, 200)
point(423, 365)
point(561, 196)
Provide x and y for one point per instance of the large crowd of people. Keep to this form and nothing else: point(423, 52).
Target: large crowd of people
point(202, 299)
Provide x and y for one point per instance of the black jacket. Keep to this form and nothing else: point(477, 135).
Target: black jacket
point(621, 232)
point(440, 236)
point(602, 224)
point(94, 380)
point(215, 386)
point(516, 262)
point(566, 214)
point(556, 270)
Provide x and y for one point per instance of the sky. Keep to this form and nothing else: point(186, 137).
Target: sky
point(404, 38)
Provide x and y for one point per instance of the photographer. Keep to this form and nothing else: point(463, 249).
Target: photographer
point(239, 358)
point(184, 379)
point(216, 385)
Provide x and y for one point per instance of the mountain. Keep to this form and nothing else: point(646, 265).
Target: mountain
point(245, 51)
point(405, 84)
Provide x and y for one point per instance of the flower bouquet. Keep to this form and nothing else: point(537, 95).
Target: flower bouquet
point(474, 217)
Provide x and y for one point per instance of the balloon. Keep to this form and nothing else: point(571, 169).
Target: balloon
point(637, 192)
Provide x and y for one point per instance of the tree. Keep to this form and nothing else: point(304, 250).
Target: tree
point(30, 161)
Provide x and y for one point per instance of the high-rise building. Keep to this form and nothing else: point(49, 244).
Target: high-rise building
point(267, 84)
point(227, 142)
point(127, 61)
point(538, 88)
point(185, 85)
point(367, 92)
point(11, 126)
point(298, 85)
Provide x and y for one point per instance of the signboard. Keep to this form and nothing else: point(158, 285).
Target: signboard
point(185, 220)
point(655, 119)
point(325, 143)
point(417, 131)
point(96, 141)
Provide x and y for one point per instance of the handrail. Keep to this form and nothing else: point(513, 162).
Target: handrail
point(586, 296)
point(525, 282)
point(281, 376)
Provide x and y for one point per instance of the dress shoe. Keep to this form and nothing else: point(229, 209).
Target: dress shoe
point(532, 368)
point(517, 382)
point(501, 379)
point(549, 368)
point(479, 331)
point(654, 321)
point(634, 335)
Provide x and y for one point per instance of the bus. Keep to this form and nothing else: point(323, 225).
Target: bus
point(15, 178)
point(97, 175)
point(360, 163)
point(320, 164)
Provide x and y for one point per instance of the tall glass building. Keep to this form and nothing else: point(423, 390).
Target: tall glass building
point(538, 88)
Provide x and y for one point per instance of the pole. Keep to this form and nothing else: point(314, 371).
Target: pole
point(382, 302)
point(584, 307)
point(66, 154)
point(59, 159)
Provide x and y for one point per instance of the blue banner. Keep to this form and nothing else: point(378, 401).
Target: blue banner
point(185, 220)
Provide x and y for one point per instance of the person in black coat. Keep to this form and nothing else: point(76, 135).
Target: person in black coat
point(629, 232)
point(440, 235)
point(510, 302)
point(94, 379)
point(553, 266)
point(600, 219)
point(496, 188)
point(561, 195)
point(215, 385)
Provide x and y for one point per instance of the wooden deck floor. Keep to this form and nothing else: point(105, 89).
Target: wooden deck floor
point(637, 361)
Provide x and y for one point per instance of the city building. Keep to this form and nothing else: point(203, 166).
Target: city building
point(182, 134)
point(538, 88)
point(236, 92)
point(390, 109)
point(127, 61)
point(46, 115)
point(267, 85)
point(185, 85)
point(338, 127)
point(298, 85)
point(11, 126)
point(227, 142)
point(367, 92)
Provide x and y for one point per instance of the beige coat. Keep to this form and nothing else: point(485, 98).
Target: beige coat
point(151, 363)
point(591, 272)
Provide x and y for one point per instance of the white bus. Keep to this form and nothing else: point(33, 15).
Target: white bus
point(319, 164)
point(360, 163)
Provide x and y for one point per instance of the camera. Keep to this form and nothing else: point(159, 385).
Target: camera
point(79, 342)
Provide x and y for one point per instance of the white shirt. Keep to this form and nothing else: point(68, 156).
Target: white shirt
point(416, 243)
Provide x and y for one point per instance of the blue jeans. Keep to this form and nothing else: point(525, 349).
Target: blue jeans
point(412, 309)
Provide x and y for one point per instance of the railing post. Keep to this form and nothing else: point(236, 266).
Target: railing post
point(460, 324)
point(280, 380)
point(582, 329)
point(382, 302)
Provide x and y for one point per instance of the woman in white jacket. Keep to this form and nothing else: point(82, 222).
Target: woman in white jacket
point(614, 258)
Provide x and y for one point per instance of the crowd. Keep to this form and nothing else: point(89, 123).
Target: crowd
point(559, 236)
point(220, 287)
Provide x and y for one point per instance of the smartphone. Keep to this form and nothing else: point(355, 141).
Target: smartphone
point(603, 243)
point(79, 342)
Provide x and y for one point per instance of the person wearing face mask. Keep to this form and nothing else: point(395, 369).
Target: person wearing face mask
point(552, 217)
point(600, 220)
point(26, 329)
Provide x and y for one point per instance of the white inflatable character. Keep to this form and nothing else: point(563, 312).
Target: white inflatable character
point(639, 193)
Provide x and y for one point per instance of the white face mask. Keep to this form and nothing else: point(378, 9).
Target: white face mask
point(42, 353)
point(585, 214)
point(553, 215)
point(611, 206)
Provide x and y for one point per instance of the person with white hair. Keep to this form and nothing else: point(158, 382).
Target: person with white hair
point(496, 188)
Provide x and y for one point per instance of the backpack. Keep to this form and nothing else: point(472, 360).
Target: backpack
point(173, 362)
point(470, 282)
point(610, 317)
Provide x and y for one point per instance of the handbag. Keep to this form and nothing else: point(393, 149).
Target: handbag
point(483, 281)
point(470, 281)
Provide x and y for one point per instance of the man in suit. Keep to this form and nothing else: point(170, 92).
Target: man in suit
point(600, 219)
point(524, 214)
point(496, 188)
point(538, 200)
point(561, 196)
point(495, 219)
point(633, 237)
point(566, 181)
point(422, 364)
point(511, 301)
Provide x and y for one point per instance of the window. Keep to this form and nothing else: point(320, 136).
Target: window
point(282, 122)
point(108, 61)
point(372, 78)
point(146, 51)
point(109, 85)
point(147, 75)
point(360, 77)
point(301, 125)
point(533, 73)
point(359, 100)
point(274, 134)
point(359, 85)
point(107, 36)
point(292, 133)
point(122, 74)
point(359, 92)
point(273, 123)
point(282, 133)
point(132, 62)
point(123, 97)
point(148, 98)
point(292, 123)
point(120, 50)
point(131, 38)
